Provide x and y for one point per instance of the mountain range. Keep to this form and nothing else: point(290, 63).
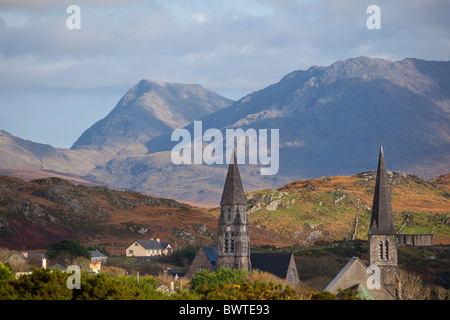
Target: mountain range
point(331, 121)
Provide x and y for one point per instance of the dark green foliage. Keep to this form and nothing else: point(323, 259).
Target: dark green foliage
point(45, 284)
point(39, 285)
point(324, 295)
point(6, 272)
point(183, 257)
point(69, 248)
point(220, 277)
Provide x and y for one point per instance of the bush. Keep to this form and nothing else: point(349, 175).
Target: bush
point(219, 277)
point(226, 284)
point(41, 284)
point(5, 272)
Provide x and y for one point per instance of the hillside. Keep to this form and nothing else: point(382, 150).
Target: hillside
point(38, 212)
point(339, 207)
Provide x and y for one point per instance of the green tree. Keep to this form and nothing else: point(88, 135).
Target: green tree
point(5, 272)
point(41, 284)
point(219, 277)
point(68, 249)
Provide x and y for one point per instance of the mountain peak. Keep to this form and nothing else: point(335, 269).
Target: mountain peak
point(150, 108)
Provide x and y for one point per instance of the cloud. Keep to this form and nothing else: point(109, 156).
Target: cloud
point(233, 47)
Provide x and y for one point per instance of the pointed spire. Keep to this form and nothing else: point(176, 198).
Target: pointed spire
point(233, 191)
point(382, 221)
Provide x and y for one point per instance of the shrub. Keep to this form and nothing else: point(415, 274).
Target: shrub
point(41, 284)
point(219, 277)
point(5, 272)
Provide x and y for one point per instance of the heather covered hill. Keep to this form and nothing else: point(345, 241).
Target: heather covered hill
point(339, 207)
point(36, 213)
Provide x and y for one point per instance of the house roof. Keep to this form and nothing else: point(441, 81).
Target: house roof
point(153, 244)
point(275, 263)
point(97, 254)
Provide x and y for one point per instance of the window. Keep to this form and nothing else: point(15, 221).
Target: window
point(136, 244)
point(226, 242)
point(130, 251)
point(387, 250)
point(229, 214)
point(381, 249)
point(232, 242)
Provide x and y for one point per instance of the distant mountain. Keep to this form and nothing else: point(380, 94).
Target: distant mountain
point(17, 153)
point(147, 110)
point(332, 119)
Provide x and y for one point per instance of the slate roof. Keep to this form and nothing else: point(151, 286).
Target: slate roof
point(97, 254)
point(275, 263)
point(211, 253)
point(342, 272)
point(356, 282)
point(153, 244)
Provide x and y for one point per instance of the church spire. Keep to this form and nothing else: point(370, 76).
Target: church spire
point(233, 191)
point(382, 221)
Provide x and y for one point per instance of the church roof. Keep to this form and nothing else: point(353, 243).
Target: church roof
point(355, 276)
point(233, 191)
point(211, 253)
point(382, 221)
point(274, 263)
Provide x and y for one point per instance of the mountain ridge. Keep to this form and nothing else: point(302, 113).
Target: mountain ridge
point(331, 120)
point(303, 212)
point(147, 110)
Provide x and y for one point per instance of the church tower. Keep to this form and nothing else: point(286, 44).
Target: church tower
point(382, 234)
point(233, 239)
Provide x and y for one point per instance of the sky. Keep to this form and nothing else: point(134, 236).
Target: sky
point(56, 81)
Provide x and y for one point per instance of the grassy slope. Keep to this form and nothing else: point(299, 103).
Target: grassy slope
point(327, 208)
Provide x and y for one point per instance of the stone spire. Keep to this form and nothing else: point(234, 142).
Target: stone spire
point(233, 236)
point(382, 221)
point(233, 191)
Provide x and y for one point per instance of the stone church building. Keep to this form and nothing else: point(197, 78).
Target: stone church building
point(233, 238)
point(379, 280)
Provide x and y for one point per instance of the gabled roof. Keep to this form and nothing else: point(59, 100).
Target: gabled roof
point(355, 273)
point(211, 253)
point(153, 244)
point(97, 254)
point(274, 263)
